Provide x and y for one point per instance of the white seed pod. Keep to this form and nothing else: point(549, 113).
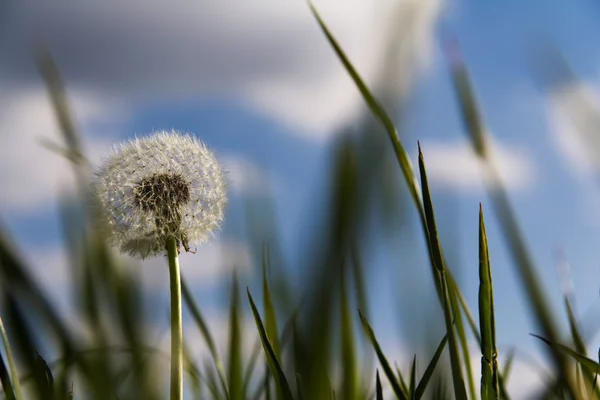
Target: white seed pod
point(158, 187)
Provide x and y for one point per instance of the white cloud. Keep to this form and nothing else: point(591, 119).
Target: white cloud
point(574, 113)
point(30, 174)
point(245, 176)
point(268, 54)
point(212, 262)
point(456, 166)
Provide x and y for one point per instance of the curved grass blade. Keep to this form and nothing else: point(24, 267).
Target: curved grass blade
point(274, 364)
point(11, 385)
point(377, 109)
point(270, 316)
point(487, 324)
point(457, 378)
point(398, 391)
point(587, 363)
point(378, 388)
point(205, 331)
point(420, 390)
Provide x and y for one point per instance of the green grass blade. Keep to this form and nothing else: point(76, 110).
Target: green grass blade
point(461, 333)
point(378, 388)
point(586, 363)
point(507, 218)
point(348, 352)
point(13, 382)
point(274, 364)
point(235, 372)
point(508, 364)
point(270, 316)
point(403, 384)
point(250, 367)
point(487, 324)
point(387, 369)
point(457, 377)
point(7, 386)
point(193, 373)
point(376, 108)
point(430, 369)
point(205, 331)
point(299, 387)
point(413, 379)
point(469, 314)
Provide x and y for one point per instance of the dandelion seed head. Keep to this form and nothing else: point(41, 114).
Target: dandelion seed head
point(160, 186)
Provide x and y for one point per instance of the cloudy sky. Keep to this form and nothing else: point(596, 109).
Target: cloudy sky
point(258, 82)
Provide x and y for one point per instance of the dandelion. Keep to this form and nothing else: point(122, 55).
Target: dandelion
point(155, 194)
point(158, 187)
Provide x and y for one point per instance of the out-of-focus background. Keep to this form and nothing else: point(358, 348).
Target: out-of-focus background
point(258, 82)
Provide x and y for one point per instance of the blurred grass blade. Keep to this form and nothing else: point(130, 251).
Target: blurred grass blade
point(349, 367)
point(270, 315)
point(205, 331)
point(454, 293)
point(56, 89)
point(377, 110)
point(193, 373)
point(235, 380)
point(272, 359)
point(487, 324)
point(251, 365)
point(10, 383)
point(470, 319)
point(508, 364)
point(378, 388)
point(457, 378)
point(587, 363)
point(403, 384)
point(420, 390)
point(45, 377)
point(387, 369)
point(7, 386)
point(413, 379)
point(299, 387)
point(506, 216)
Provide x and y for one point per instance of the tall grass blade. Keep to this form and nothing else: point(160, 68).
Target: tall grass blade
point(457, 378)
point(487, 324)
point(205, 331)
point(348, 356)
point(413, 379)
point(420, 390)
point(506, 216)
point(274, 364)
point(378, 388)
point(235, 379)
point(387, 369)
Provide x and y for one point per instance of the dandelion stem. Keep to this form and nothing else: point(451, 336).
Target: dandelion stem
point(176, 328)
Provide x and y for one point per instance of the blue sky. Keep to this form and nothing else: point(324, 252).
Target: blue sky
point(259, 84)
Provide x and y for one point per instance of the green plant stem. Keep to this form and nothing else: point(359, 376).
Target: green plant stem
point(176, 326)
